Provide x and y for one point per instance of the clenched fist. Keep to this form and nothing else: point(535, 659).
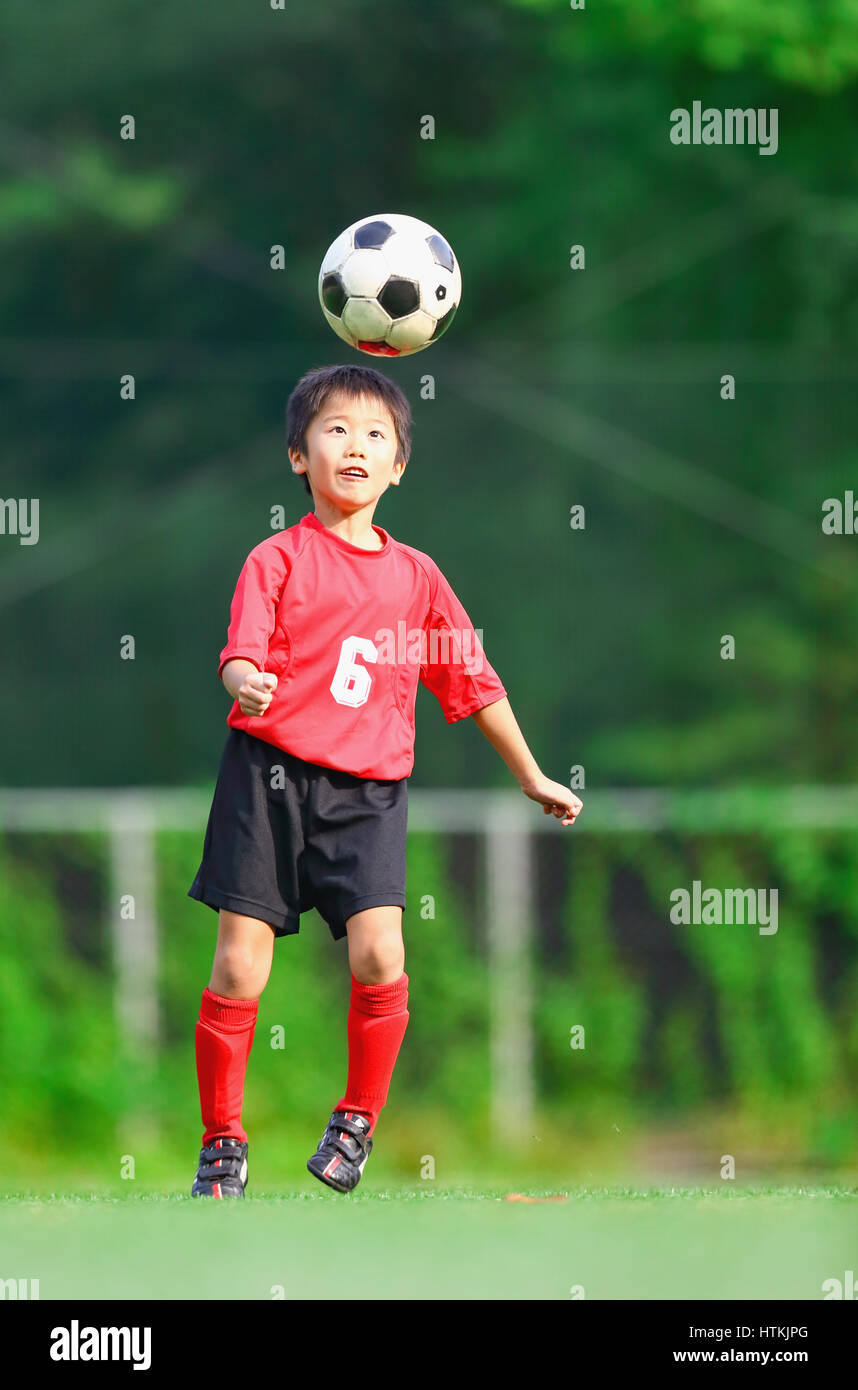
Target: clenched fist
point(255, 692)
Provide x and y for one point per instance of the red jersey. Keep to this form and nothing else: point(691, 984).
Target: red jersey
point(348, 633)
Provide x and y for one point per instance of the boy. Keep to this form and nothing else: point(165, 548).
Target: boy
point(332, 624)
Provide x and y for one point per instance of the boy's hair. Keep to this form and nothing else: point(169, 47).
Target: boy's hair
point(316, 386)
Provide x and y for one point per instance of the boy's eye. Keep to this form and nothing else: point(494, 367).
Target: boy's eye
point(339, 427)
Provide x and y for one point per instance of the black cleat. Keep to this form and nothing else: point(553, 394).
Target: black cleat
point(343, 1151)
point(222, 1170)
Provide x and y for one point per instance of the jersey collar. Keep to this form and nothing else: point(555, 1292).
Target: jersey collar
point(315, 524)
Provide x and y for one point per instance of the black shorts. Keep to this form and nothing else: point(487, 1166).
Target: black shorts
point(316, 838)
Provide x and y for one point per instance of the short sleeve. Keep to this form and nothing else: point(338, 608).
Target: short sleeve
point(253, 612)
point(454, 666)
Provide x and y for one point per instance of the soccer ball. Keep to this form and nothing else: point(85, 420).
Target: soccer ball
point(389, 285)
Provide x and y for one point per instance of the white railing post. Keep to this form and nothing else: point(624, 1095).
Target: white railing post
point(133, 878)
point(509, 934)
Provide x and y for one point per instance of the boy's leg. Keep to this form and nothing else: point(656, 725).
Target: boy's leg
point(378, 1008)
point(227, 1018)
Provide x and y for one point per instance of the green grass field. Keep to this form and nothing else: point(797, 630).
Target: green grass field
point(436, 1243)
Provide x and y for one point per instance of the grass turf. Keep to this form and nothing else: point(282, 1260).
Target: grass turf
point(435, 1243)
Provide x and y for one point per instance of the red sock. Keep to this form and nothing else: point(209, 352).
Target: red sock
point(378, 1017)
point(224, 1038)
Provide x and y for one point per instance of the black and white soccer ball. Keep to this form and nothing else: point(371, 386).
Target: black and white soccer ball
point(390, 285)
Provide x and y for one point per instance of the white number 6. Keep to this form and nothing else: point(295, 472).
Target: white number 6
point(351, 682)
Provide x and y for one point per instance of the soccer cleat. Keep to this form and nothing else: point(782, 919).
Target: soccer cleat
point(222, 1170)
point(343, 1151)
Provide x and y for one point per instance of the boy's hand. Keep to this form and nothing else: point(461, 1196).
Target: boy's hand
point(555, 798)
point(255, 692)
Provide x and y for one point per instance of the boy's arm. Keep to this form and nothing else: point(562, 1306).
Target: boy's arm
point(253, 611)
point(252, 688)
point(499, 725)
point(253, 614)
point(234, 672)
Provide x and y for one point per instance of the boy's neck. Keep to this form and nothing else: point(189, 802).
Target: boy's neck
point(354, 527)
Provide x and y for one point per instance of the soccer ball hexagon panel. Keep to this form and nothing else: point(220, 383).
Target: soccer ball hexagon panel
point(390, 285)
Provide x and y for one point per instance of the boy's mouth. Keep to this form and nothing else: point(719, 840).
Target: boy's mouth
point(355, 471)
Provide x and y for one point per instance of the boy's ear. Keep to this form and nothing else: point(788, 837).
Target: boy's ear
point(297, 461)
point(399, 469)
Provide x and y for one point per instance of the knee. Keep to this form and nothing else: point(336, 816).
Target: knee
point(237, 973)
point(379, 963)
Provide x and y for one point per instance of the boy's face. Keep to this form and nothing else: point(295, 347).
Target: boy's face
point(357, 435)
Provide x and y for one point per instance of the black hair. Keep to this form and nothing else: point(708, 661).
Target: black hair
point(314, 388)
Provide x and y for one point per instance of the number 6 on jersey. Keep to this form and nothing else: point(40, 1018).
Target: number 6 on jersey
point(351, 683)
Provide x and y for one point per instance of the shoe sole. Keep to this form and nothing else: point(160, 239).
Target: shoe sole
point(329, 1182)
